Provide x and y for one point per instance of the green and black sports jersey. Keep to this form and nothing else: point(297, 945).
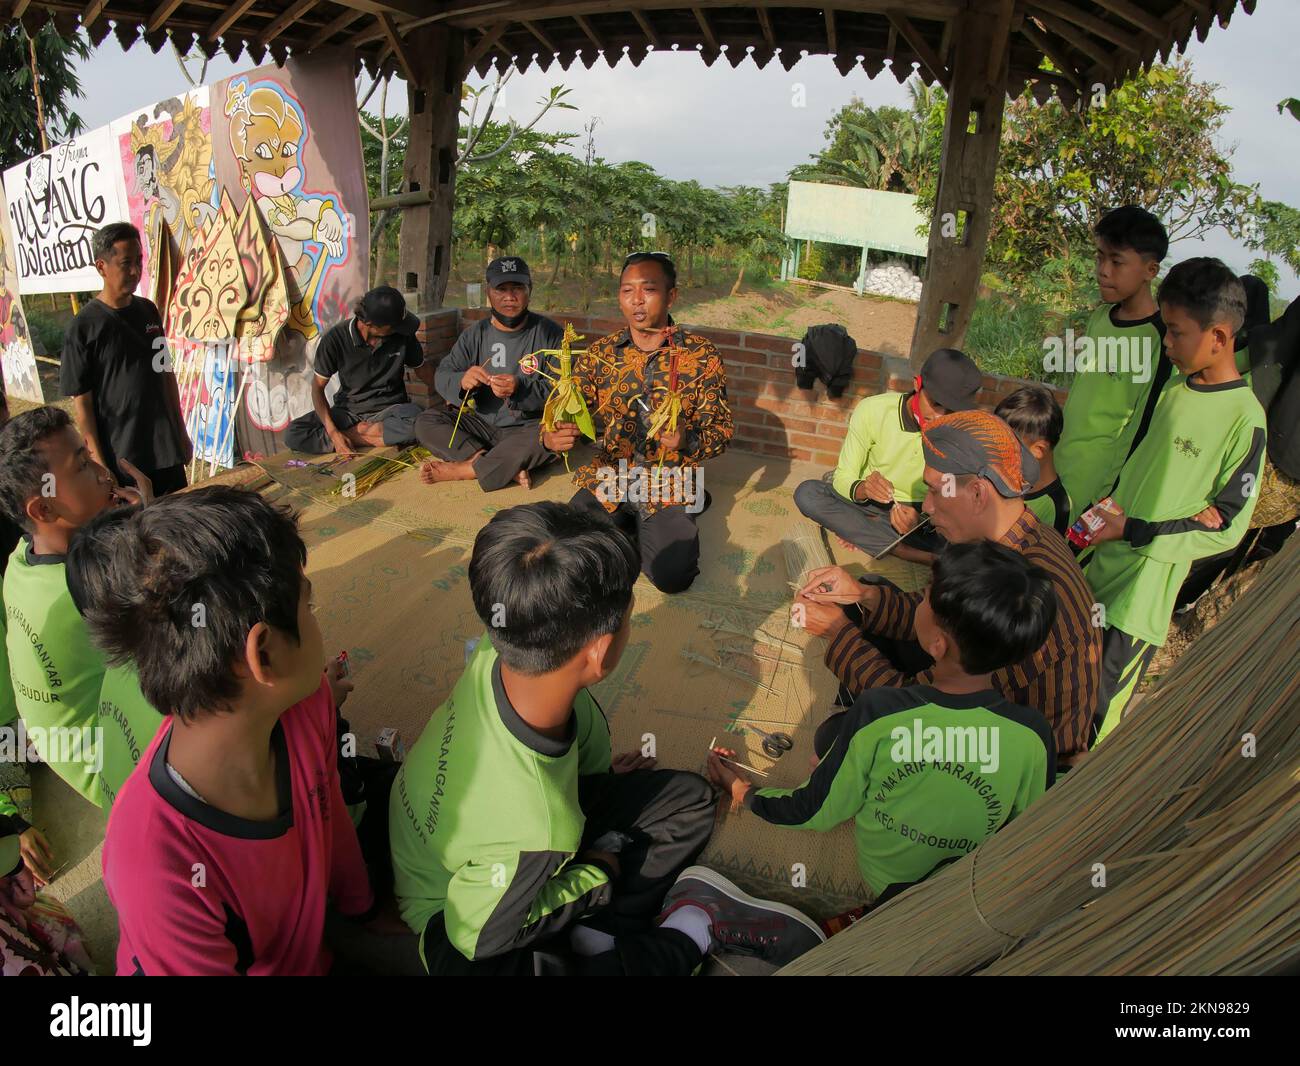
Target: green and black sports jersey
point(484, 818)
point(1051, 505)
point(57, 672)
point(926, 775)
point(127, 723)
point(8, 708)
point(1107, 407)
point(883, 436)
point(1205, 448)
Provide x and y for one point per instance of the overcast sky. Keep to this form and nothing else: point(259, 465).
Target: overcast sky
point(725, 126)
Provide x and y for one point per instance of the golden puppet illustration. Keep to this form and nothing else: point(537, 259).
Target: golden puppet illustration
point(172, 169)
point(267, 132)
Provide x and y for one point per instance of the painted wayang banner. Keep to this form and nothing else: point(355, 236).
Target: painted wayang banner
point(286, 141)
point(57, 200)
point(250, 196)
point(17, 361)
point(168, 182)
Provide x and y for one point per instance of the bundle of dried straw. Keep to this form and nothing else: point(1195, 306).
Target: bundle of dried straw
point(1190, 811)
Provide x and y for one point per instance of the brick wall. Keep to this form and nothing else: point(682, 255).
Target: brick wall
point(772, 416)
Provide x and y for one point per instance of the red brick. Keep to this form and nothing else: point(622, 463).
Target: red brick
point(828, 459)
point(803, 440)
point(870, 360)
point(728, 338)
point(748, 433)
point(766, 343)
point(800, 425)
point(734, 356)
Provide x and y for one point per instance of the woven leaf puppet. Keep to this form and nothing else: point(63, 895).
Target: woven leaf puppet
point(669, 409)
point(566, 402)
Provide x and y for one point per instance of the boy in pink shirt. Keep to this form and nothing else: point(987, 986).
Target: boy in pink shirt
point(228, 840)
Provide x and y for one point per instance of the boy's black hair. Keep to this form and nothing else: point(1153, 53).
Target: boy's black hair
point(21, 464)
point(1207, 290)
point(1033, 414)
point(101, 245)
point(1134, 227)
point(547, 579)
point(139, 580)
point(996, 605)
point(662, 258)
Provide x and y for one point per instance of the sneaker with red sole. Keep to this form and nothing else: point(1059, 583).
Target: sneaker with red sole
point(774, 932)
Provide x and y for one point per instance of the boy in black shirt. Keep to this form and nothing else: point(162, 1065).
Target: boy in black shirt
point(370, 353)
point(115, 368)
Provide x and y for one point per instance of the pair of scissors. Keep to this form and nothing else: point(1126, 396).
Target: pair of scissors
point(774, 744)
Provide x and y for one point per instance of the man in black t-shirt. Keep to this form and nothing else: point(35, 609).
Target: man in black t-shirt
point(496, 440)
point(116, 369)
point(370, 353)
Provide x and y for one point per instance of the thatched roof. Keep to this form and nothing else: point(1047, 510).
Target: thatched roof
point(1089, 42)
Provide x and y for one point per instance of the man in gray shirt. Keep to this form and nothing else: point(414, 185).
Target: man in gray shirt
point(497, 440)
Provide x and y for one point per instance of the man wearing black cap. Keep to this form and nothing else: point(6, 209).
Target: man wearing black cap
point(370, 353)
point(877, 488)
point(498, 407)
point(976, 475)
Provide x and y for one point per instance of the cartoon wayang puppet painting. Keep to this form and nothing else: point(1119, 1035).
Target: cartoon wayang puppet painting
point(17, 363)
point(288, 141)
point(169, 181)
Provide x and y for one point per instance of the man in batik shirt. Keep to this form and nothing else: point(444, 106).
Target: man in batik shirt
point(646, 474)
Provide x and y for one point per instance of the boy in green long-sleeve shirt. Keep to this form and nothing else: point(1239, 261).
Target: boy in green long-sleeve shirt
point(877, 488)
point(519, 846)
point(1118, 371)
point(1189, 488)
point(928, 771)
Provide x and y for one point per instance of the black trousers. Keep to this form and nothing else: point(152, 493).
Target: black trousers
point(167, 480)
point(306, 433)
point(668, 814)
point(865, 525)
point(669, 539)
point(505, 451)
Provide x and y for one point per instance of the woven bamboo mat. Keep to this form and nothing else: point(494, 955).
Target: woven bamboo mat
point(389, 571)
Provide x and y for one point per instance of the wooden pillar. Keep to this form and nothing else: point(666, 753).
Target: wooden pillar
point(959, 230)
point(424, 247)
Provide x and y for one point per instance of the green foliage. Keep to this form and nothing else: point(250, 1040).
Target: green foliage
point(1267, 272)
point(1154, 143)
point(812, 263)
point(56, 58)
point(1008, 335)
point(46, 329)
point(1275, 231)
point(885, 148)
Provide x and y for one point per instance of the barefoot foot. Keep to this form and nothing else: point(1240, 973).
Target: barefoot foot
point(524, 480)
point(846, 545)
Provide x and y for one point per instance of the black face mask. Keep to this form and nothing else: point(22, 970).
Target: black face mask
point(512, 321)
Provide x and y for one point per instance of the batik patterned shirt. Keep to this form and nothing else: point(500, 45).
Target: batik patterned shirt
point(623, 385)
